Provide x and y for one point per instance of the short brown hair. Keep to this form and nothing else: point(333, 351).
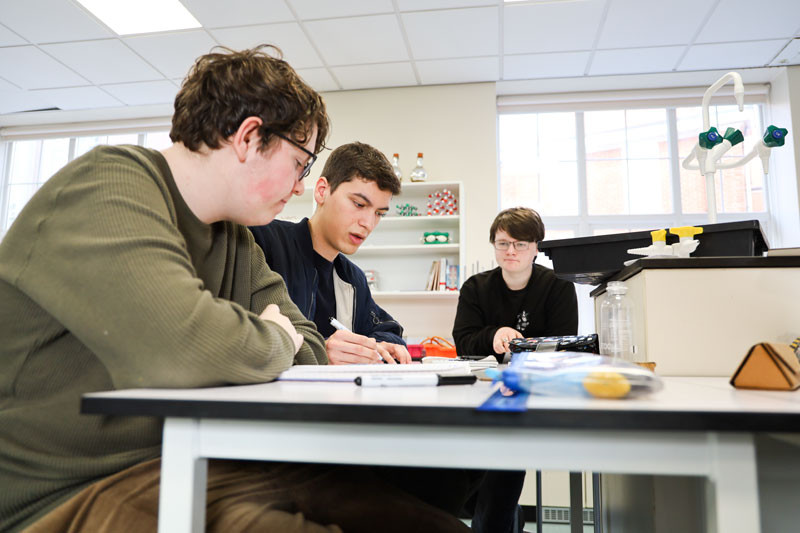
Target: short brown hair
point(359, 160)
point(223, 89)
point(521, 223)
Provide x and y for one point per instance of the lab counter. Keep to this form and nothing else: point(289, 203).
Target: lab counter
point(699, 316)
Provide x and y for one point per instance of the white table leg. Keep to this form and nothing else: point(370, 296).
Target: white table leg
point(182, 496)
point(735, 479)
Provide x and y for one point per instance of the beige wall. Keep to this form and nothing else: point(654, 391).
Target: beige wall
point(453, 125)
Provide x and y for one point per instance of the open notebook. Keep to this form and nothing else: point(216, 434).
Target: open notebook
point(348, 373)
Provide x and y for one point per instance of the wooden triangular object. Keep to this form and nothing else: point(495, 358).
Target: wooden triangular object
point(768, 366)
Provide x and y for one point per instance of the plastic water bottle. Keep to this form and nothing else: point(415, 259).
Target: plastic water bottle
point(616, 323)
point(419, 174)
point(396, 166)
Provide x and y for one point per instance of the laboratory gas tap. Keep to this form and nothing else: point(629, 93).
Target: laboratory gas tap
point(711, 145)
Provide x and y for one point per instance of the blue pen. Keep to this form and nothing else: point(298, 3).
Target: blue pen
point(338, 325)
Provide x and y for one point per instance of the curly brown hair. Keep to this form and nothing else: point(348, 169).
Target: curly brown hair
point(360, 160)
point(224, 88)
point(521, 223)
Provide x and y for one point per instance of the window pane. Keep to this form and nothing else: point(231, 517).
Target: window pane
point(157, 140)
point(606, 187)
point(605, 134)
point(649, 186)
point(559, 189)
point(538, 166)
point(646, 132)
point(84, 144)
point(18, 196)
point(55, 154)
point(127, 138)
point(24, 161)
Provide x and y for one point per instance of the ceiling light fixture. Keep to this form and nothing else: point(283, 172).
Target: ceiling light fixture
point(126, 17)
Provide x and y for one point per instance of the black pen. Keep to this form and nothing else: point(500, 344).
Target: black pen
point(413, 380)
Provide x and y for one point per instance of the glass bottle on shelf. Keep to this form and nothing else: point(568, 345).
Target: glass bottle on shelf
point(396, 166)
point(419, 174)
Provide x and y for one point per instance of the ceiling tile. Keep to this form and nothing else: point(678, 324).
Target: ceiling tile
point(172, 53)
point(105, 61)
point(465, 70)
point(216, 14)
point(9, 38)
point(149, 92)
point(731, 55)
point(790, 54)
point(418, 5)
point(737, 20)
point(78, 98)
point(50, 21)
point(289, 37)
point(319, 79)
point(633, 23)
point(370, 76)
point(30, 68)
point(14, 100)
point(357, 40)
point(426, 32)
point(635, 60)
point(533, 66)
point(552, 27)
point(320, 9)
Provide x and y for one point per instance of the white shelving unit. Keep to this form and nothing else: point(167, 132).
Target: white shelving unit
point(396, 252)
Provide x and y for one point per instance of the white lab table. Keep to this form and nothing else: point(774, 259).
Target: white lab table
point(695, 426)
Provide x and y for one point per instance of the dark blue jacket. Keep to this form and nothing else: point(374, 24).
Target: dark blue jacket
point(289, 252)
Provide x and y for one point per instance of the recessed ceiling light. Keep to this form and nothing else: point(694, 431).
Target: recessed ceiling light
point(126, 17)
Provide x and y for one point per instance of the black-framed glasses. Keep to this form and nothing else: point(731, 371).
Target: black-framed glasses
point(519, 246)
point(312, 156)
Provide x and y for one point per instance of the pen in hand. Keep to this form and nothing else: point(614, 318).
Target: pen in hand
point(338, 325)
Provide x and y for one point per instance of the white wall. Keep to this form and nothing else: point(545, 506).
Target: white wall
point(453, 125)
point(784, 112)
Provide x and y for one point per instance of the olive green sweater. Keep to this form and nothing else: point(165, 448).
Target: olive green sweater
point(109, 281)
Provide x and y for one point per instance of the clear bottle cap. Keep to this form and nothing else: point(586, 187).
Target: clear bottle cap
point(616, 287)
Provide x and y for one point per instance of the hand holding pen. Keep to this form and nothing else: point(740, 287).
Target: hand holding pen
point(345, 347)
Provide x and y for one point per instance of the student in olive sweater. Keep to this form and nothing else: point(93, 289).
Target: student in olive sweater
point(134, 268)
point(517, 299)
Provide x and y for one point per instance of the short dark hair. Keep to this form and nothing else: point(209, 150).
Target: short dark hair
point(521, 223)
point(359, 160)
point(223, 89)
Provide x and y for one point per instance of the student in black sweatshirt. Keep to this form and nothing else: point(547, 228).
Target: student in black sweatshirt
point(515, 300)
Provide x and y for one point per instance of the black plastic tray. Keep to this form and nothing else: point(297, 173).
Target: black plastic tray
point(592, 260)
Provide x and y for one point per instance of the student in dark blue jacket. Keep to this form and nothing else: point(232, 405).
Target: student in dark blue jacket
point(351, 196)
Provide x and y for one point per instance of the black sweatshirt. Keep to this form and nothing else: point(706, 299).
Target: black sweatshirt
point(546, 306)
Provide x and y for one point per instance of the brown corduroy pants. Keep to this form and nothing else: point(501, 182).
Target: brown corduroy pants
point(254, 496)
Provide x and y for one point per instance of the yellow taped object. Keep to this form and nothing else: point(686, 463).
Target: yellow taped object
point(606, 384)
point(686, 231)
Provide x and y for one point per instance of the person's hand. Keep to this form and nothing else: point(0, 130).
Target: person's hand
point(273, 314)
point(502, 337)
point(347, 348)
point(394, 352)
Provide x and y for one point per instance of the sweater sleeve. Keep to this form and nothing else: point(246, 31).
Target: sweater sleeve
point(471, 334)
point(106, 258)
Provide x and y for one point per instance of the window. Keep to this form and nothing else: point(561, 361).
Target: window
point(30, 163)
point(606, 171)
point(602, 171)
